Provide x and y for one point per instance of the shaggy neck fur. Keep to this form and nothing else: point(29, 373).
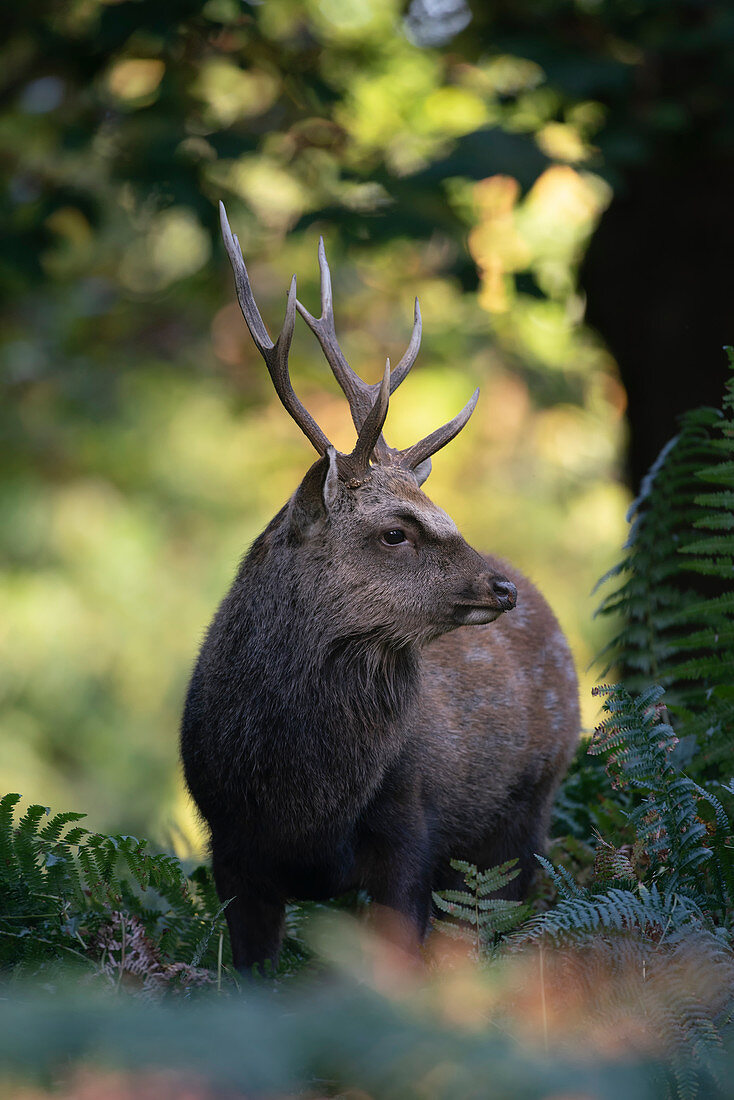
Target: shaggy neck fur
point(316, 715)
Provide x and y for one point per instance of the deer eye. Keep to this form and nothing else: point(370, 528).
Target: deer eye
point(393, 537)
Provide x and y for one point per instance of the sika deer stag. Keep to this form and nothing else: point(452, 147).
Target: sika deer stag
point(356, 716)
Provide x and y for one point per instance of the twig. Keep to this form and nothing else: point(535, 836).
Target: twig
point(544, 1007)
point(122, 952)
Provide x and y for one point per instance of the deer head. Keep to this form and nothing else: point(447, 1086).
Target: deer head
point(391, 552)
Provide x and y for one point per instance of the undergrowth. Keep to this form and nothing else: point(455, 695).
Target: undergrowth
point(70, 894)
point(643, 882)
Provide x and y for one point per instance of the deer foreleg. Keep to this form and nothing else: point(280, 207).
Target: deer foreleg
point(255, 921)
point(397, 877)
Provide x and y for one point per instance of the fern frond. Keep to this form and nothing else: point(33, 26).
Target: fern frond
point(615, 910)
point(478, 918)
point(681, 529)
point(57, 878)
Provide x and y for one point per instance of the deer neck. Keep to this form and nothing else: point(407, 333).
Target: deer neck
point(351, 695)
point(323, 736)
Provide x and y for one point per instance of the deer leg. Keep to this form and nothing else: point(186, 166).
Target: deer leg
point(255, 921)
point(397, 877)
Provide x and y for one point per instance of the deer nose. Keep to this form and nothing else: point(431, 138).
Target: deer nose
point(506, 593)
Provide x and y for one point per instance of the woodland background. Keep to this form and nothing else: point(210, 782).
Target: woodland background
point(553, 179)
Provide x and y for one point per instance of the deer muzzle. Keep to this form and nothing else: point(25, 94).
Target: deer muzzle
point(485, 600)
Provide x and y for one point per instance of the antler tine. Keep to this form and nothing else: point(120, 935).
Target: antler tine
point(274, 354)
point(360, 394)
point(422, 450)
point(356, 464)
point(245, 297)
point(357, 392)
point(411, 352)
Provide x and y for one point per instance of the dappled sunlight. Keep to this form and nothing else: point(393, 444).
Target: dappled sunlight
point(231, 93)
point(172, 246)
point(134, 81)
point(495, 243)
point(562, 142)
point(565, 436)
point(542, 233)
point(270, 190)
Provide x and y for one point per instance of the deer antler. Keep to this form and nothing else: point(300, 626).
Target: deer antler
point(353, 468)
point(368, 403)
point(274, 354)
point(360, 394)
point(371, 430)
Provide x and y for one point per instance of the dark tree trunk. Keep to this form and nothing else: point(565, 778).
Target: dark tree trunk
point(659, 282)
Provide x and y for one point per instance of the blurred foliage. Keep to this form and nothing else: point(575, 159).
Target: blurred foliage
point(145, 449)
point(651, 925)
point(344, 1039)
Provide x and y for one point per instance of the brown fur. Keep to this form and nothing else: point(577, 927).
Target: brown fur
point(500, 709)
point(343, 729)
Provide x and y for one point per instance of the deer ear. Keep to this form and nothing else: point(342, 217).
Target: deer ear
point(422, 471)
point(315, 496)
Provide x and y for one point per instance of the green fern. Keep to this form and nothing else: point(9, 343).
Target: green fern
point(683, 835)
point(476, 917)
point(659, 908)
point(670, 633)
point(669, 822)
point(59, 883)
